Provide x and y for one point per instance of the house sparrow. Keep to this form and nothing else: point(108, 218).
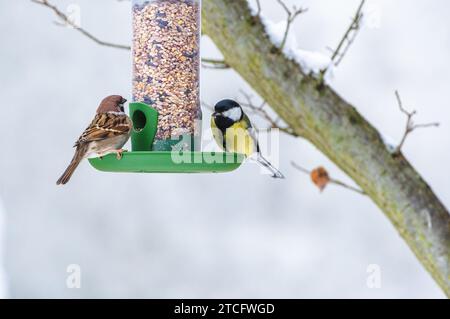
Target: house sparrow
point(233, 132)
point(108, 133)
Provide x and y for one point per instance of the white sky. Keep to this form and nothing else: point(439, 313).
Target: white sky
point(234, 235)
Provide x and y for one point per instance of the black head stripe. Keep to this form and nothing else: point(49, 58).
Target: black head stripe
point(225, 105)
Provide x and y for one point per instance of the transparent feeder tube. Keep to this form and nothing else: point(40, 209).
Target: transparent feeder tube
point(166, 68)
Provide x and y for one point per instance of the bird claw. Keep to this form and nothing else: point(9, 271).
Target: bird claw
point(119, 154)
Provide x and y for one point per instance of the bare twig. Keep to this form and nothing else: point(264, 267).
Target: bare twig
point(292, 14)
point(208, 106)
point(258, 4)
point(349, 36)
point(260, 111)
point(410, 126)
point(67, 21)
point(332, 180)
point(214, 64)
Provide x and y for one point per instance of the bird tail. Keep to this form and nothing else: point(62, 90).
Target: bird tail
point(76, 160)
point(275, 172)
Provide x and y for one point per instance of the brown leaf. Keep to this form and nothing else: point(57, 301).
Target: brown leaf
point(320, 177)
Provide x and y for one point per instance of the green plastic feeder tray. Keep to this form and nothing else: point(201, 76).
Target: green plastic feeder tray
point(162, 162)
point(143, 160)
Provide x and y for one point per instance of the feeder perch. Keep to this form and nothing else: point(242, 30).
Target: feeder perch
point(166, 112)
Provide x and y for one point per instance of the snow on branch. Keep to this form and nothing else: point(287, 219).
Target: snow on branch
point(292, 14)
point(312, 62)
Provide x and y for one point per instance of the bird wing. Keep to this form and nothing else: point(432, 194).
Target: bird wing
point(218, 135)
point(105, 126)
point(252, 132)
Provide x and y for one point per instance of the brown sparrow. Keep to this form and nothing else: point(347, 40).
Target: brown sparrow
point(108, 133)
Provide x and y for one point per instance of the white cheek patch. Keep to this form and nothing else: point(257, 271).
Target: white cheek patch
point(235, 113)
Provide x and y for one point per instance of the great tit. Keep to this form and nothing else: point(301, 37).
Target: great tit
point(234, 133)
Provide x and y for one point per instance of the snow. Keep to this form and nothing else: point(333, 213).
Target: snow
point(253, 7)
point(312, 62)
point(390, 143)
point(3, 280)
point(427, 214)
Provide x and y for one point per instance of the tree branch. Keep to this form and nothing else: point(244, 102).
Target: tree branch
point(262, 113)
point(65, 19)
point(317, 113)
point(258, 4)
point(214, 64)
point(291, 16)
point(349, 36)
point(410, 126)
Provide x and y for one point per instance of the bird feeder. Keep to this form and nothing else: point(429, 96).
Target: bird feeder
point(166, 110)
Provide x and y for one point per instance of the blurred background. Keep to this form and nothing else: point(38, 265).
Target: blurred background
point(236, 235)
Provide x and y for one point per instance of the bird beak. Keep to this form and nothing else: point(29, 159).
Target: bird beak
point(215, 114)
point(123, 101)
